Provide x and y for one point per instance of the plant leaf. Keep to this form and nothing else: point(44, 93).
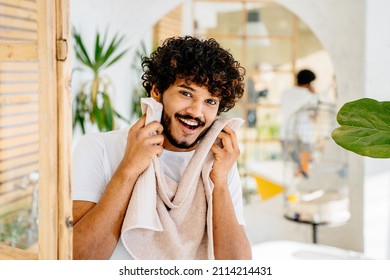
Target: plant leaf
point(116, 58)
point(119, 116)
point(99, 115)
point(365, 128)
point(113, 46)
point(81, 51)
point(79, 111)
point(108, 112)
point(110, 50)
point(81, 121)
point(98, 51)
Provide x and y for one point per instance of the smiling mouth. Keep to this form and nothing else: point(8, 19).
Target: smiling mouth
point(190, 122)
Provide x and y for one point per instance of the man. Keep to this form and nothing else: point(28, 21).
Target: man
point(195, 81)
point(296, 122)
point(296, 98)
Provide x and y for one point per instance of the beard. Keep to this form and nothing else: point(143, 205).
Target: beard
point(166, 122)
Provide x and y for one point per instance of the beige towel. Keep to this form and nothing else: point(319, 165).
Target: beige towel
point(169, 220)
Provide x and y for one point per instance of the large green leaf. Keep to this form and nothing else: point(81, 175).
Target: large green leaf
point(365, 128)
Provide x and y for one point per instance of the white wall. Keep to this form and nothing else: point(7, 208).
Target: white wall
point(377, 171)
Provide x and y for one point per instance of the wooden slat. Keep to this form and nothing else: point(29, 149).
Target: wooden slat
point(18, 182)
point(18, 13)
point(16, 205)
point(18, 172)
point(19, 130)
point(6, 153)
point(18, 140)
point(172, 20)
point(31, 5)
point(170, 25)
point(15, 162)
point(9, 186)
point(17, 35)
point(10, 253)
point(18, 77)
point(19, 98)
point(19, 66)
point(18, 197)
point(12, 109)
point(170, 28)
point(18, 24)
point(17, 120)
point(19, 51)
point(18, 88)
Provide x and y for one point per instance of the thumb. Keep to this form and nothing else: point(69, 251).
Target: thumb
point(141, 122)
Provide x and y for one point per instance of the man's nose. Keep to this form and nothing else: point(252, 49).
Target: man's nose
point(195, 109)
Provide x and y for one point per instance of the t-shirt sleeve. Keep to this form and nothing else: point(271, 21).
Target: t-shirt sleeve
point(235, 189)
point(88, 180)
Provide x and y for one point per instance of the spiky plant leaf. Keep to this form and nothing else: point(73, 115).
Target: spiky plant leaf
point(108, 112)
point(80, 50)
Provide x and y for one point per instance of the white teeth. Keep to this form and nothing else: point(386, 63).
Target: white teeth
point(189, 122)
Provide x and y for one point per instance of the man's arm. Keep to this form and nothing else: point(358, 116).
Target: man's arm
point(230, 240)
point(97, 226)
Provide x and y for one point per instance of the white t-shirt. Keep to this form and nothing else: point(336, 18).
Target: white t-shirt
point(97, 155)
point(292, 100)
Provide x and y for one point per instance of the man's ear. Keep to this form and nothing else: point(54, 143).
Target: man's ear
point(155, 94)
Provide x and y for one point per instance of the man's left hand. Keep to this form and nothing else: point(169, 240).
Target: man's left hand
point(226, 154)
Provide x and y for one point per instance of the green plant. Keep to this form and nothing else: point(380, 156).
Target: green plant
point(364, 128)
point(138, 91)
point(93, 101)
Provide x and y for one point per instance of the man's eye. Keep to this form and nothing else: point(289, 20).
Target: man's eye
point(212, 102)
point(186, 93)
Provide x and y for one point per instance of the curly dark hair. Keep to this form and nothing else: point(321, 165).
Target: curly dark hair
point(203, 62)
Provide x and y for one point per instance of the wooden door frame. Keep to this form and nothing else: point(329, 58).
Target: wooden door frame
point(55, 204)
point(51, 50)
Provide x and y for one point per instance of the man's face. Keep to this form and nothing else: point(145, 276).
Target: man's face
point(189, 111)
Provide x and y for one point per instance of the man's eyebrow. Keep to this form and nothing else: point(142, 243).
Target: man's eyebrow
point(186, 87)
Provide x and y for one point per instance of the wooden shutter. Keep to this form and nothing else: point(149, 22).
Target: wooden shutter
point(35, 119)
point(170, 25)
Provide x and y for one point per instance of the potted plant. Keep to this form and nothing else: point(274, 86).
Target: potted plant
point(364, 128)
point(93, 100)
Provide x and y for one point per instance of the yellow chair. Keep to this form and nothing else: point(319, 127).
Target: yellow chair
point(267, 188)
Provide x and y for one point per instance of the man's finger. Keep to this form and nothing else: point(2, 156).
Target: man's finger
point(141, 122)
point(233, 137)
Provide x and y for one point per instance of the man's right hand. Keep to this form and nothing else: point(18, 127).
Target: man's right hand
point(144, 142)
